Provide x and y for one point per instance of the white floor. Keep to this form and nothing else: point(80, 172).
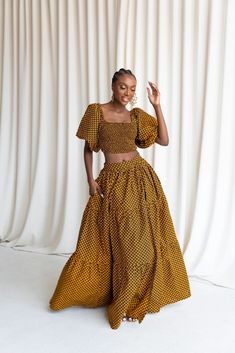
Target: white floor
point(204, 323)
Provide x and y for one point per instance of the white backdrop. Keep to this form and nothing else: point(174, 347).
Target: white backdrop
point(56, 57)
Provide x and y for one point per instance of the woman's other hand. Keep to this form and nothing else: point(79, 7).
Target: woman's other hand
point(154, 95)
point(94, 188)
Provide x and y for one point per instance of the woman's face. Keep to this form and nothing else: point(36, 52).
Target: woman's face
point(124, 89)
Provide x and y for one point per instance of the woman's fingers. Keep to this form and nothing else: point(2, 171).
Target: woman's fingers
point(154, 87)
point(97, 189)
point(148, 91)
point(100, 191)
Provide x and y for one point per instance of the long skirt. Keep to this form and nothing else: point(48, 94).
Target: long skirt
point(127, 255)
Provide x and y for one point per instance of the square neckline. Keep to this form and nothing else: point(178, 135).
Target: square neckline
point(113, 122)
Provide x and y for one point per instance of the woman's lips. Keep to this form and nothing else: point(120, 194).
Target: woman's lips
point(126, 100)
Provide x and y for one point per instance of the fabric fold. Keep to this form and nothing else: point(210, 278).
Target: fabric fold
point(127, 256)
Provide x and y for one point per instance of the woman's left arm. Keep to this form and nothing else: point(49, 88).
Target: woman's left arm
point(154, 98)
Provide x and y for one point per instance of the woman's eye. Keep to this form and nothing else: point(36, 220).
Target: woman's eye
point(124, 87)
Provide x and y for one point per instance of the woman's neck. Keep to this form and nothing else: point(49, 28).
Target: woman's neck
point(118, 107)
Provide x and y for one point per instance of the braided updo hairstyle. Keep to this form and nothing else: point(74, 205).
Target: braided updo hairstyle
point(120, 73)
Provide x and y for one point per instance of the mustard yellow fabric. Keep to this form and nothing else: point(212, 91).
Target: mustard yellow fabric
point(141, 131)
point(127, 256)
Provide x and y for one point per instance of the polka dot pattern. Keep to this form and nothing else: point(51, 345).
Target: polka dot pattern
point(127, 256)
point(112, 137)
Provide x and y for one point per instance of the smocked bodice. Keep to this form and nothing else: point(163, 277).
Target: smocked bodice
point(116, 137)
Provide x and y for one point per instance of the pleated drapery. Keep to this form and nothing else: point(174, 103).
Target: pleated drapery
point(56, 57)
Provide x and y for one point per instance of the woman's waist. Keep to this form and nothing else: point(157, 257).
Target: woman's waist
point(119, 157)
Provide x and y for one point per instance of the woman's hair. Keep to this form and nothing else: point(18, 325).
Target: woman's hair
point(120, 73)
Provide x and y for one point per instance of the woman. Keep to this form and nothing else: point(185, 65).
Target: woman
point(127, 255)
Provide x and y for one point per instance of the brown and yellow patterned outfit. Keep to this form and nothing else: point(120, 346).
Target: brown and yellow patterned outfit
point(127, 256)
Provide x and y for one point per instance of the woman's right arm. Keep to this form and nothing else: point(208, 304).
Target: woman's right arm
point(93, 186)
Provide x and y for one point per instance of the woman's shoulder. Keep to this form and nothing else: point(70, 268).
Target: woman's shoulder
point(93, 105)
point(93, 109)
point(137, 111)
point(140, 112)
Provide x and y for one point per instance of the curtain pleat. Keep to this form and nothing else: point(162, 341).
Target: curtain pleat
point(56, 57)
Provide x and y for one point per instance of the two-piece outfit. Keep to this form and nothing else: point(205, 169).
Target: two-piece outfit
point(127, 255)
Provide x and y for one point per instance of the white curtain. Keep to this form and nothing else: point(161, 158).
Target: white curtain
point(57, 56)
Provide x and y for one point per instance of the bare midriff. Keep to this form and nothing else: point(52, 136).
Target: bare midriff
point(119, 157)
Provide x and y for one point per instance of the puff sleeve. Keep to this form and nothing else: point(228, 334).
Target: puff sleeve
point(89, 127)
point(147, 128)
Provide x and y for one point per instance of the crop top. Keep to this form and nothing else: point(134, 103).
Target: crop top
point(117, 137)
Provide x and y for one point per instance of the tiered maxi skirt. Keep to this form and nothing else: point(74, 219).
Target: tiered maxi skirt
point(127, 255)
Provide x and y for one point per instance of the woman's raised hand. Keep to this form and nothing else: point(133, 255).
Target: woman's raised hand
point(154, 95)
